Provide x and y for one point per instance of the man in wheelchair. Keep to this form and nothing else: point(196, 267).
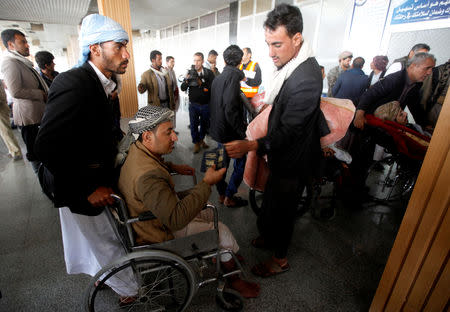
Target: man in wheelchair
point(147, 185)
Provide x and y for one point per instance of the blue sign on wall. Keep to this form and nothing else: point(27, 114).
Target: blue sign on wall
point(421, 10)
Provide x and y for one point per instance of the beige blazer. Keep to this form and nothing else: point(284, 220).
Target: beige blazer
point(23, 86)
point(150, 84)
point(146, 184)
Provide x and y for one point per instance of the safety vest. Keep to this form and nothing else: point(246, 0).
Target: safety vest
point(249, 91)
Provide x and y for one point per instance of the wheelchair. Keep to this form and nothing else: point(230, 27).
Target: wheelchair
point(166, 275)
point(393, 178)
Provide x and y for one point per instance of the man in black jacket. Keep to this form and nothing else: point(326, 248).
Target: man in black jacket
point(227, 121)
point(199, 89)
point(292, 143)
point(403, 86)
point(77, 146)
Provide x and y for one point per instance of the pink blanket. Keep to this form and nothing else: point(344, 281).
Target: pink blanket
point(256, 169)
point(338, 113)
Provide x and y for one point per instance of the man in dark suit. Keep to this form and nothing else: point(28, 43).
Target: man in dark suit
point(292, 142)
point(77, 146)
point(351, 83)
point(403, 86)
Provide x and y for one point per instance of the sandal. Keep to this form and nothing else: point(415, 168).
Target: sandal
point(269, 268)
point(235, 201)
point(259, 242)
point(127, 301)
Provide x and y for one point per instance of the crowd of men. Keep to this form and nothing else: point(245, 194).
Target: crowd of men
point(61, 126)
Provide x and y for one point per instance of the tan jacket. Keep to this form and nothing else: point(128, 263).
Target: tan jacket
point(146, 184)
point(150, 84)
point(23, 86)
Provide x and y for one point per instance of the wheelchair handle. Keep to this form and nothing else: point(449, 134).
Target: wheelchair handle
point(216, 215)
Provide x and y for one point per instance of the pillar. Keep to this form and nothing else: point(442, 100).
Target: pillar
point(119, 10)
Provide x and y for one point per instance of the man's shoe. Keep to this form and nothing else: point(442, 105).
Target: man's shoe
point(196, 148)
point(234, 202)
point(204, 145)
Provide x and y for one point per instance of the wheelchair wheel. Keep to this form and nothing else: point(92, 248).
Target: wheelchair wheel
point(230, 300)
point(387, 181)
point(256, 197)
point(161, 280)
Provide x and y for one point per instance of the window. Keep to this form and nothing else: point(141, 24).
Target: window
point(223, 16)
point(176, 30)
point(246, 8)
point(193, 24)
point(185, 27)
point(208, 20)
point(263, 5)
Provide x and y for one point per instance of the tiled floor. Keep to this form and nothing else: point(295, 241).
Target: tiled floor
point(335, 265)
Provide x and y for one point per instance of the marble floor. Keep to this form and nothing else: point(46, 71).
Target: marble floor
point(335, 265)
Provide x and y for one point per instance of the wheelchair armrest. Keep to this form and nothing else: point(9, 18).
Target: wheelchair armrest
point(216, 214)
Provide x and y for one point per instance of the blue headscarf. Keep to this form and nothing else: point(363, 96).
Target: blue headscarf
point(97, 29)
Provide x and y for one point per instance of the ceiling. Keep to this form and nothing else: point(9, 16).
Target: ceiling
point(61, 17)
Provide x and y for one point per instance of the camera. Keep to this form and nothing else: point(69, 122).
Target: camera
point(193, 77)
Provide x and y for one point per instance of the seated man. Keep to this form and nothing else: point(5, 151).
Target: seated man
point(147, 185)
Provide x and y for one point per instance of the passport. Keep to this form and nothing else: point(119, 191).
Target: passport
point(213, 157)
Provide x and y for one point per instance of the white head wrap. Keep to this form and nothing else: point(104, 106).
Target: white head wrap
point(97, 28)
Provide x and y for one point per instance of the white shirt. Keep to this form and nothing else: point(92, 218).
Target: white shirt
point(107, 84)
point(375, 78)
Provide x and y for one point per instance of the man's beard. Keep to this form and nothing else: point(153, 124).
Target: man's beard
point(111, 67)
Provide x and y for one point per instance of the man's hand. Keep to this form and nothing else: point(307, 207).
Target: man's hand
point(183, 169)
point(141, 88)
point(212, 176)
point(327, 152)
point(238, 148)
point(360, 120)
point(101, 197)
point(114, 95)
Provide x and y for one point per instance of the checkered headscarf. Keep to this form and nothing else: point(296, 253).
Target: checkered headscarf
point(149, 117)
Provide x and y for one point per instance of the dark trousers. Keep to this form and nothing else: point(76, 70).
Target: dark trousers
point(236, 177)
point(198, 116)
point(277, 218)
point(29, 134)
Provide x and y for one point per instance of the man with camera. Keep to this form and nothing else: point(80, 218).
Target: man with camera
point(198, 82)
